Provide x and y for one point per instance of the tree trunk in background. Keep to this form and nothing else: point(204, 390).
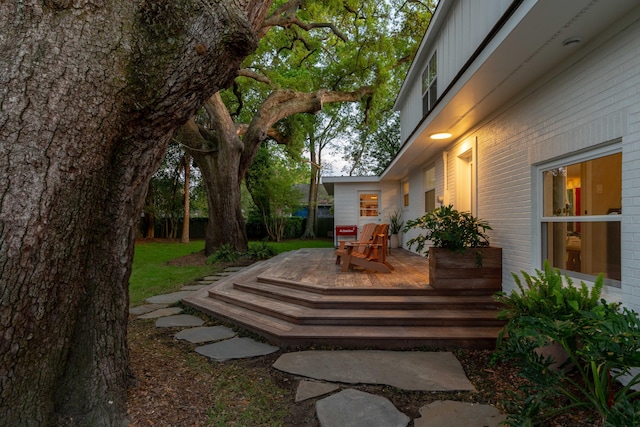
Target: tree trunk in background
point(186, 217)
point(149, 215)
point(224, 158)
point(310, 229)
point(90, 94)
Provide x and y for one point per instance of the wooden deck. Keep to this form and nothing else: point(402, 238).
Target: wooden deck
point(301, 298)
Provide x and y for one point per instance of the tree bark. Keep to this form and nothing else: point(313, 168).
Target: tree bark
point(184, 238)
point(310, 228)
point(90, 94)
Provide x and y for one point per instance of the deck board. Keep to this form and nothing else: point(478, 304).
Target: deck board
point(317, 267)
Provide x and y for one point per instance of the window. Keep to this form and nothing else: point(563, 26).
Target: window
point(582, 207)
point(405, 193)
point(369, 204)
point(429, 189)
point(429, 85)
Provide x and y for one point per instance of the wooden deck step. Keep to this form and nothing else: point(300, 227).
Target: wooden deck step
point(288, 335)
point(379, 302)
point(396, 290)
point(355, 314)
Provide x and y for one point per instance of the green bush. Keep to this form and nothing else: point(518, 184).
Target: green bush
point(550, 294)
point(601, 340)
point(260, 250)
point(445, 227)
point(225, 253)
point(293, 227)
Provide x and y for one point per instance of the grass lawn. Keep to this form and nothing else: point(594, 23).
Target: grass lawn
point(151, 275)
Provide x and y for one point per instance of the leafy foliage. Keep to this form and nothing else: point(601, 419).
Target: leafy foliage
point(260, 250)
point(395, 222)
point(225, 253)
point(550, 294)
point(601, 342)
point(270, 181)
point(446, 227)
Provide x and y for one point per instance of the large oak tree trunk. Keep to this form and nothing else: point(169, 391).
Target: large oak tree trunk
point(90, 94)
point(224, 151)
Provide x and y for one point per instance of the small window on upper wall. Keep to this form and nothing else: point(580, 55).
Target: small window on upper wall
point(430, 85)
point(405, 193)
point(429, 189)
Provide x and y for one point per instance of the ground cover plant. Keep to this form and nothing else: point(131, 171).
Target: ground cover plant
point(598, 341)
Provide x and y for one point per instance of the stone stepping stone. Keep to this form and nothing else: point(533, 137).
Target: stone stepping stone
point(195, 287)
point(310, 389)
point(169, 311)
point(353, 408)
point(211, 278)
point(171, 298)
point(205, 334)
point(235, 348)
point(180, 320)
point(626, 378)
point(408, 370)
point(234, 269)
point(446, 413)
point(146, 308)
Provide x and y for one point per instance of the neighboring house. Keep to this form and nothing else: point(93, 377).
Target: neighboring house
point(542, 101)
point(325, 202)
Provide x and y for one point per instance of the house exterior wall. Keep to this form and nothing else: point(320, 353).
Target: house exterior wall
point(464, 28)
point(346, 201)
point(594, 101)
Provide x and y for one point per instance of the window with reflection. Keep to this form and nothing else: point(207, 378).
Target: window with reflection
point(582, 207)
point(369, 204)
point(430, 189)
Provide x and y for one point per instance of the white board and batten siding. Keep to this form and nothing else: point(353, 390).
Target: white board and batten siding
point(455, 34)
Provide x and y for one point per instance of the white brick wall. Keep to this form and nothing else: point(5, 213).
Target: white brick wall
point(594, 101)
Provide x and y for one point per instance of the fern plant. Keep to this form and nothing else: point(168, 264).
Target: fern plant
point(548, 293)
point(225, 253)
point(601, 340)
point(260, 250)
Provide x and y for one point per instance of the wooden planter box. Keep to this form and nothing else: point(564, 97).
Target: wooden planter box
point(449, 270)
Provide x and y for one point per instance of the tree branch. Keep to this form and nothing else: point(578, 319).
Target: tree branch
point(244, 72)
point(286, 16)
point(195, 137)
point(272, 133)
point(285, 103)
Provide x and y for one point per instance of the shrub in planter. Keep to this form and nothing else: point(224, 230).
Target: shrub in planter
point(450, 234)
point(601, 342)
point(395, 227)
point(445, 227)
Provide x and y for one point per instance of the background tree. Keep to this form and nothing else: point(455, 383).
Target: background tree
point(374, 150)
point(271, 182)
point(311, 53)
point(166, 199)
point(328, 126)
point(90, 94)
point(186, 163)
